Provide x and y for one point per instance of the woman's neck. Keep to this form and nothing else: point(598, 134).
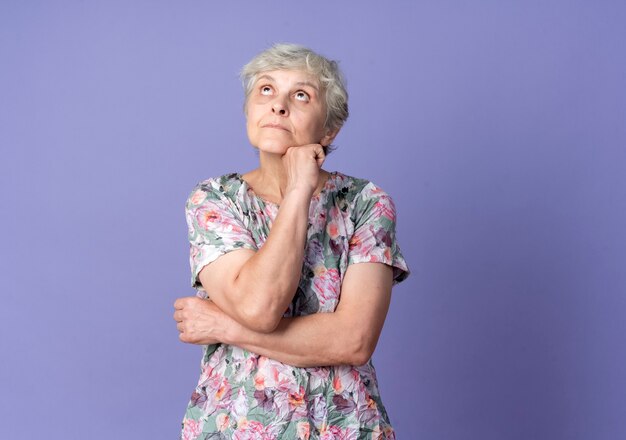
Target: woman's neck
point(269, 181)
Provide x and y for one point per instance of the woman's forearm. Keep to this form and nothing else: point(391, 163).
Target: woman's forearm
point(320, 339)
point(255, 289)
point(268, 280)
point(346, 336)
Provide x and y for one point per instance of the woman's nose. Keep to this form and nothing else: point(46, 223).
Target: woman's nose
point(279, 108)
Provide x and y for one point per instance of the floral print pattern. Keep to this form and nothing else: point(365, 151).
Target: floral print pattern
point(241, 395)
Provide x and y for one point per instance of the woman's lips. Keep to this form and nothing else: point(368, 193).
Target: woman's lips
point(276, 126)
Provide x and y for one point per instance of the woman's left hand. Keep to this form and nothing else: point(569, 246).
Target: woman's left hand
point(200, 321)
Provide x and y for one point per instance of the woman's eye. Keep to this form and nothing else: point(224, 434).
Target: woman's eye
point(266, 90)
point(302, 96)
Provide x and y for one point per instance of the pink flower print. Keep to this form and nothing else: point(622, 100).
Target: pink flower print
point(253, 430)
point(208, 217)
point(336, 433)
point(344, 405)
point(387, 255)
point(283, 406)
point(337, 385)
point(197, 197)
point(362, 242)
point(273, 374)
point(319, 221)
point(346, 379)
point(296, 398)
point(218, 392)
point(251, 363)
point(321, 373)
point(265, 399)
point(385, 258)
point(355, 241)
point(244, 370)
point(318, 376)
point(389, 433)
point(285, 380)
point(333, 230)
point(331, 185)
point(266, 375)
point(222, 389)
point(207, 372)
point(328, 286)
point(384, 208)
point(197, 399)
point(240, 405)
point(376, 190)
point(303, 430)
point(259, 382)
point(191, 429)
point(317, 410)
point(386, 434)
point(222, 421)
point(368, 413)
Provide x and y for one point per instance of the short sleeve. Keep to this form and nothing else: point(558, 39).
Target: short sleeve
point(374, 238)
point(215, 227)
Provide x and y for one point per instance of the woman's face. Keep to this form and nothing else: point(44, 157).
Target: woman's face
point(286, 108)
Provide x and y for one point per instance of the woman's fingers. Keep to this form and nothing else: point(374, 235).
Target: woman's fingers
point(302, 165)
point(303, 155)
point(196, 320)
point(320, 156)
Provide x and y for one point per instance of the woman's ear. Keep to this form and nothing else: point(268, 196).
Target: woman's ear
point(329, 137)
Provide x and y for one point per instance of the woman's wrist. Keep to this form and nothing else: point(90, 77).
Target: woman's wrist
point(231, 332)
point(299, 192)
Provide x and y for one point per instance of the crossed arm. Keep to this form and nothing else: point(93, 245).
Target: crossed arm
point(346, 336)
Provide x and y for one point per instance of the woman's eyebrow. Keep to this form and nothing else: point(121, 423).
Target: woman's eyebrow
point(298, 84)
point(308, 83)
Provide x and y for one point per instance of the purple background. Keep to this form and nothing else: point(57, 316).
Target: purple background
point(498, 127)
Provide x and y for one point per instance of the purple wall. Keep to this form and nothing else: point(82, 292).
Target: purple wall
point(499, 129)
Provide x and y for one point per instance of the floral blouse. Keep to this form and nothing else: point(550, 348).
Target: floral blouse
point(241, 395)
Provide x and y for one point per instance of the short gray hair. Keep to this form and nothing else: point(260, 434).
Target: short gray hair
point(286, 56)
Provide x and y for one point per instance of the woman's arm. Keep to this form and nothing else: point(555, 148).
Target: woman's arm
point(255, 288)
point(347, 336)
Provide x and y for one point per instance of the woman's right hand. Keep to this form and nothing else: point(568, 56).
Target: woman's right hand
point(302, 165)
point(200, 321)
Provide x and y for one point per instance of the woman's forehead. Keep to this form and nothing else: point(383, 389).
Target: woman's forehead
point(292, 77)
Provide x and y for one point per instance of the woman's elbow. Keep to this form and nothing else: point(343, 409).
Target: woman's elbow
point(361, 357)
point(259, 320)
point(362, 350)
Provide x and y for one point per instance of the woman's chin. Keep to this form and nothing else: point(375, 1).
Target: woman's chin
point(273, 148)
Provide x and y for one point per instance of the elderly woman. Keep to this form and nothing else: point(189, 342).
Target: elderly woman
point(294, 266)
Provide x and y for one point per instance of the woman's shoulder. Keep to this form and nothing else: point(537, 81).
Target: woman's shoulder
point(355, 188)
point(224, 186)
point(362, 199)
